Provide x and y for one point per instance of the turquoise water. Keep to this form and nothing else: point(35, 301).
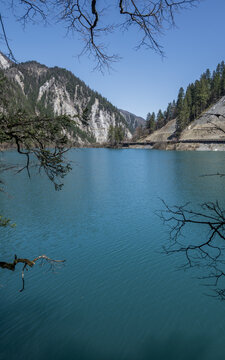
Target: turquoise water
point(118, 297)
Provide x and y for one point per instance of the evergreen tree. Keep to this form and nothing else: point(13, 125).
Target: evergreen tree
point(222, 84)
point(208, 75)
point(169, 112)
point(173, 110)
point(116, 135)
point(180, 100)
point(150, 123)
point(216, 86)
point(160, 120)
point(188, 96)
point(111, 135)
point(202, 94)
point(183, 117)
point(148, 117)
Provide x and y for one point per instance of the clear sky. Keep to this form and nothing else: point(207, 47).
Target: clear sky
point(142, 81)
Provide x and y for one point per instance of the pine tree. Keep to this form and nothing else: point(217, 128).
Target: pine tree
point(147, 125)
point(203, 93)
point(208, 75)
point(152, 123)
point(169, 112)
point(222, 84)
point(111, 135)
point(183, 117)
point(180, 100)
point(173, 110)
point(160, 120)
point(216, 86)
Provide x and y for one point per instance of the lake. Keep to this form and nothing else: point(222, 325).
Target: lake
point(118, 297)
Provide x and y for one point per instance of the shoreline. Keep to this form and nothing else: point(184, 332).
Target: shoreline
point(166, 146)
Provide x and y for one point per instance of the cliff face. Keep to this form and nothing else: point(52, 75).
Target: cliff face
point(55, 91)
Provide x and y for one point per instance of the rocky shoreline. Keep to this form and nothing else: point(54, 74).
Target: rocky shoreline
point(195, 146)
point(168, 146)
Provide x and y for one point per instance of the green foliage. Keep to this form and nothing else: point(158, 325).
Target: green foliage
point(150, 123)
point(160, 119)
point(116, 135)
point(41, 138)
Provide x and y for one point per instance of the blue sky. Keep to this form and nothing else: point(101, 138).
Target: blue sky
point(141, 81)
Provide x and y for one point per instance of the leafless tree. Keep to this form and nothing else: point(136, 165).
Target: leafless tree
point(94, 19)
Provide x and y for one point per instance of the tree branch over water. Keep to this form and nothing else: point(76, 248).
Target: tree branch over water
point(208, 250)
point(38, 138)
point(92, 20)
point(30, 263)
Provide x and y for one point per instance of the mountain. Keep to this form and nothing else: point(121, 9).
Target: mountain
point(132, 120)
point(45, 91)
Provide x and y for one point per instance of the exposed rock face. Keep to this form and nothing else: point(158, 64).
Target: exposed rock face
point(56, 91)
point(4, 62)
point(132, 120)
point(209, 126)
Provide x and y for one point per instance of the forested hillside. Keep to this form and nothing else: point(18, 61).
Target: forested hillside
point(190, 104)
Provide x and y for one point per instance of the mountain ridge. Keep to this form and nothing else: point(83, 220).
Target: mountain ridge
point(133, 120)
point(55, 91)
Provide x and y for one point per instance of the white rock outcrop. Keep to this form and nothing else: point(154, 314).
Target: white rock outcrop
point(4, 63)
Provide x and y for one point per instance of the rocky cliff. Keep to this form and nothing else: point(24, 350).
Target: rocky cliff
point(55, 91)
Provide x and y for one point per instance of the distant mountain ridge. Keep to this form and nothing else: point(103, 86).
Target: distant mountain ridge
point(133, 120)
point(41, 90)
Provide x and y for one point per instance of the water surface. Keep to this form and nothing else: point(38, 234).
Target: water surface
point(118, 297)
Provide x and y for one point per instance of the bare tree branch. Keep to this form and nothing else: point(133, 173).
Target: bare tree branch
point(11, 266)
point(208, 251)
point(92, 21)
point(10, 53)
point(43, 139)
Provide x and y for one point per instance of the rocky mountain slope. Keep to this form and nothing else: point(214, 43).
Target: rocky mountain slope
point(209, 126)
point(163, 134)
point(55, 91)
point(132, 120)
point(201, 134)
